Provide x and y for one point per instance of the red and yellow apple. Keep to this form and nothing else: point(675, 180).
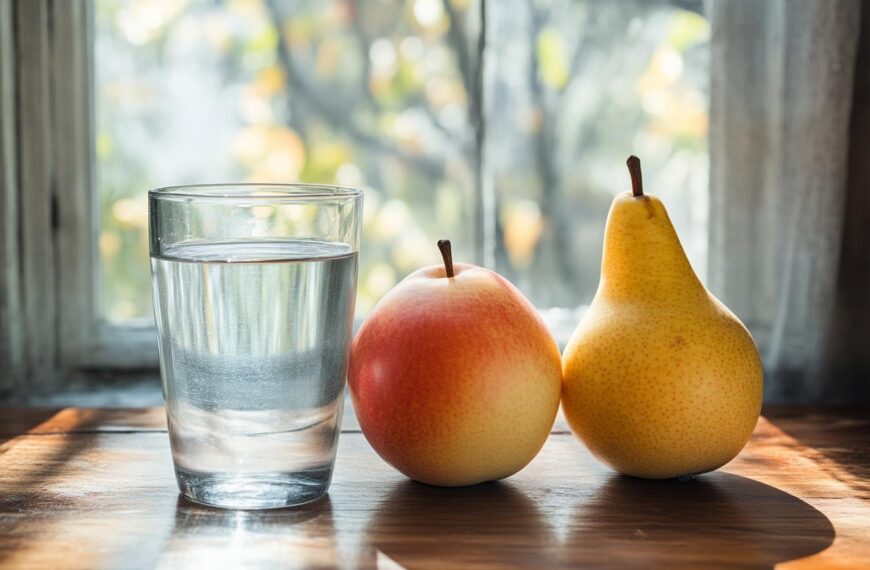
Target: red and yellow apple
point(454, 378)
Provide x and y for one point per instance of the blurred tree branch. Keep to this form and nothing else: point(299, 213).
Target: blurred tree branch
point(339, 113)
point(472, 70)
point(365, 44)
point(460, 47)
point(696, 6)
point(545, 100)
point(555, 252)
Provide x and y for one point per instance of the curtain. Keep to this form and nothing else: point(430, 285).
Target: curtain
point(788, 190)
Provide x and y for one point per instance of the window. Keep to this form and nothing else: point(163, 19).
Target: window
point(519, 172)
point(361, 94)
point(572, 88)
point(501, 125)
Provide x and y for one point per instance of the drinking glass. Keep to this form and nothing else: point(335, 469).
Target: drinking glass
point(254, 289)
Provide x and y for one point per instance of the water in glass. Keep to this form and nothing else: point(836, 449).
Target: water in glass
point(253, 339)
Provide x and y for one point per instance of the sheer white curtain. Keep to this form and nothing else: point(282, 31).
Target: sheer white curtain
point(783, 88)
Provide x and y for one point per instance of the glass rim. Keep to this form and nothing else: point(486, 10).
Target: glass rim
point(258, 192)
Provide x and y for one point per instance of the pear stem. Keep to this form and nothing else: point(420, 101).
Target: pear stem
point(633, 164)
point(447, 255)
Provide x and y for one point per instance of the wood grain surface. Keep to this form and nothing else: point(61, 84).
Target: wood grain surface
point(89, 488)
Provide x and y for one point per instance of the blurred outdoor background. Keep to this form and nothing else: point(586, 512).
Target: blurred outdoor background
point(517, 164)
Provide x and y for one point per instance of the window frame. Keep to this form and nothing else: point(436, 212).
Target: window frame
point(49, 265)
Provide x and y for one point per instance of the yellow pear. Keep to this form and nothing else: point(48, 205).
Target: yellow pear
point(660, 379)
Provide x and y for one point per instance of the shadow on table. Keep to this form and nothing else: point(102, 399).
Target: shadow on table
point(717, 519)
point(494, 524)
point(20, 421)
point(840, 434)
point(714, 520)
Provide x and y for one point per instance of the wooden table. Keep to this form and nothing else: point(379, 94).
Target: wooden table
point(93, 488)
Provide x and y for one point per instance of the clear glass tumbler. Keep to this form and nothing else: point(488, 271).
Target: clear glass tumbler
point(254, 289)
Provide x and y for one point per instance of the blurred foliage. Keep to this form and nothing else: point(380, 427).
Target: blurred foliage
point(378, 94)
point(364, 94)
point(576, 88)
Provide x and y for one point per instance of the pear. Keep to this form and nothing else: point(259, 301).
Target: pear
point(660, 379)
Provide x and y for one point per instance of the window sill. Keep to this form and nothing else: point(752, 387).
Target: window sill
point(96, 389)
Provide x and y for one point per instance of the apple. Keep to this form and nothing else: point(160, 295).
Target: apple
point(454, 377)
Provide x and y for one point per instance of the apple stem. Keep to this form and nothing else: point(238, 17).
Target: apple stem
point(447, 254)
point(633, 163)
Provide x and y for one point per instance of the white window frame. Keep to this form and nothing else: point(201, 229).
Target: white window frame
point(49, 278)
